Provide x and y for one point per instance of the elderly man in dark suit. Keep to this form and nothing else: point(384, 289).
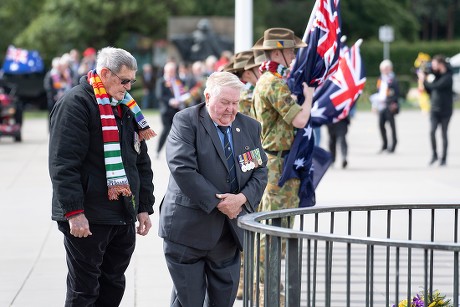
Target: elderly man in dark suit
point(218, 172)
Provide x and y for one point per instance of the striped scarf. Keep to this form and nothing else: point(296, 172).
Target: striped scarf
point(275, 68)
point(117, 182)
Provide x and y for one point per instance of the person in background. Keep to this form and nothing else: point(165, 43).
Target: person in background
point(210, 65)
point(198, 84)
point(169, 91)
point(57, 81)
point(52, 84)
point(338, 133)
point(88, 62)
point(387, 104)
point(185, 74)
point(439, 87)
point(148, 86)
point(209, 188)
point(74, 64)
point(279, 114)
point(101, 176)
point(236, 67)
point(251, 75)
point(224, 59)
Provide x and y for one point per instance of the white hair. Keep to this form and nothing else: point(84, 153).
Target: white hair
point(217, 80)
point(114, 59)
point(385, 64)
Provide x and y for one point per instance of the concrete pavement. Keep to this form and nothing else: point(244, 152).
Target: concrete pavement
point(32, 260)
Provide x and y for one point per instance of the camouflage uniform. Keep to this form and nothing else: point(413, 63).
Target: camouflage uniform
point(275, 109)
point(246, 106)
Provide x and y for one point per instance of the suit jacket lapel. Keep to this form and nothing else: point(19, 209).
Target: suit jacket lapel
point(210, 128)
point(237, 144)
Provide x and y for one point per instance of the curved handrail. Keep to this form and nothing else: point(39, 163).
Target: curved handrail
point(252, 223)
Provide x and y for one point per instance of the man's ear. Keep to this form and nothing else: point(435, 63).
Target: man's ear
point(104, 72)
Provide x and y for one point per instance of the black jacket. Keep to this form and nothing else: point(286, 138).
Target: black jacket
point(76, 162)
point(392, 96)
point(164, 94)
point(441, 93)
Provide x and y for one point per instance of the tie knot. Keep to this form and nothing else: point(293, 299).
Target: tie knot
point(223, 129)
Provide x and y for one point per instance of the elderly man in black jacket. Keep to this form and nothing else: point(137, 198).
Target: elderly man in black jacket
point(441, 96)
point(102, 178)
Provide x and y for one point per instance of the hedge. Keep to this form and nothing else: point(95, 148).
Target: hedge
point(403, 54)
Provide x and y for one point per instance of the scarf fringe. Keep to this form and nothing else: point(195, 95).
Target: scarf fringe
point(116, 190)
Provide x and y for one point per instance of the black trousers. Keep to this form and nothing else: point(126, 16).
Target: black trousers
point(166, 120)
point(436, 120)
point(199, 274)
point(384, 117)
point(338, 132)
point(97, 264)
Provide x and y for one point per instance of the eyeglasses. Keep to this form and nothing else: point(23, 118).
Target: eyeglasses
point(123, 81)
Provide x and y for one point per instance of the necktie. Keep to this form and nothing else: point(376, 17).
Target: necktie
point(230, 160)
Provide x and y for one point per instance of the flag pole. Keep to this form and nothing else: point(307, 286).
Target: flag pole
point(310, 21)
point(310, 24)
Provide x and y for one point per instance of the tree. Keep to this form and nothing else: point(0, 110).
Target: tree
point(362, 19)
point(15, 15)
point(66, 24)
point(437, 18)
point(55, 26)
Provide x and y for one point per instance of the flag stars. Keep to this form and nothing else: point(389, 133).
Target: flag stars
point(308, 131)
point(299, 163)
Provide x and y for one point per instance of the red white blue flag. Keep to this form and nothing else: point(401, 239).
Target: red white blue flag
point(314, 64)
point(22, 61)
point(335, 99)
point(319, 60)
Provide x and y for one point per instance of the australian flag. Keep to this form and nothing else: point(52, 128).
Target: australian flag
point(335, 99)
point(314, 64)
point(22, 61)
point(319, 60)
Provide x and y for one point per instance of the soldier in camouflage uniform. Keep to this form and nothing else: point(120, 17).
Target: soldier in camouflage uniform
point(279, 114)
point(250, 76)
point(246, 66)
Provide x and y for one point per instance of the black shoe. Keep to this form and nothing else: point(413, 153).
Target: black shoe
point(443, 162)
point(433, 159)
point(344, 164)
point(382, 150)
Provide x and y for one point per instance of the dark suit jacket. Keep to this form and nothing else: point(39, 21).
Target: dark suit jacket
point(188, 213)
point(163, 93)
point(392, 93)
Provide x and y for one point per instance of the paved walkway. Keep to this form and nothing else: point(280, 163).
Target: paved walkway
point(32, 260)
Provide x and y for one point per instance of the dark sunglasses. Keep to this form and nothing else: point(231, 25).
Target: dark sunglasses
point(123, 81)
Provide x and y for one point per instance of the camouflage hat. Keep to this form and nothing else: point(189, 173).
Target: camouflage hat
point(256, 59)
point(278, 38)
point(239, 61)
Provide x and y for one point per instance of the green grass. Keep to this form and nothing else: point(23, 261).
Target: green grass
point(35, 114)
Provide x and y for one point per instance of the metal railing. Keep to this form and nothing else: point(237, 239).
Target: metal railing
point(350, 255)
